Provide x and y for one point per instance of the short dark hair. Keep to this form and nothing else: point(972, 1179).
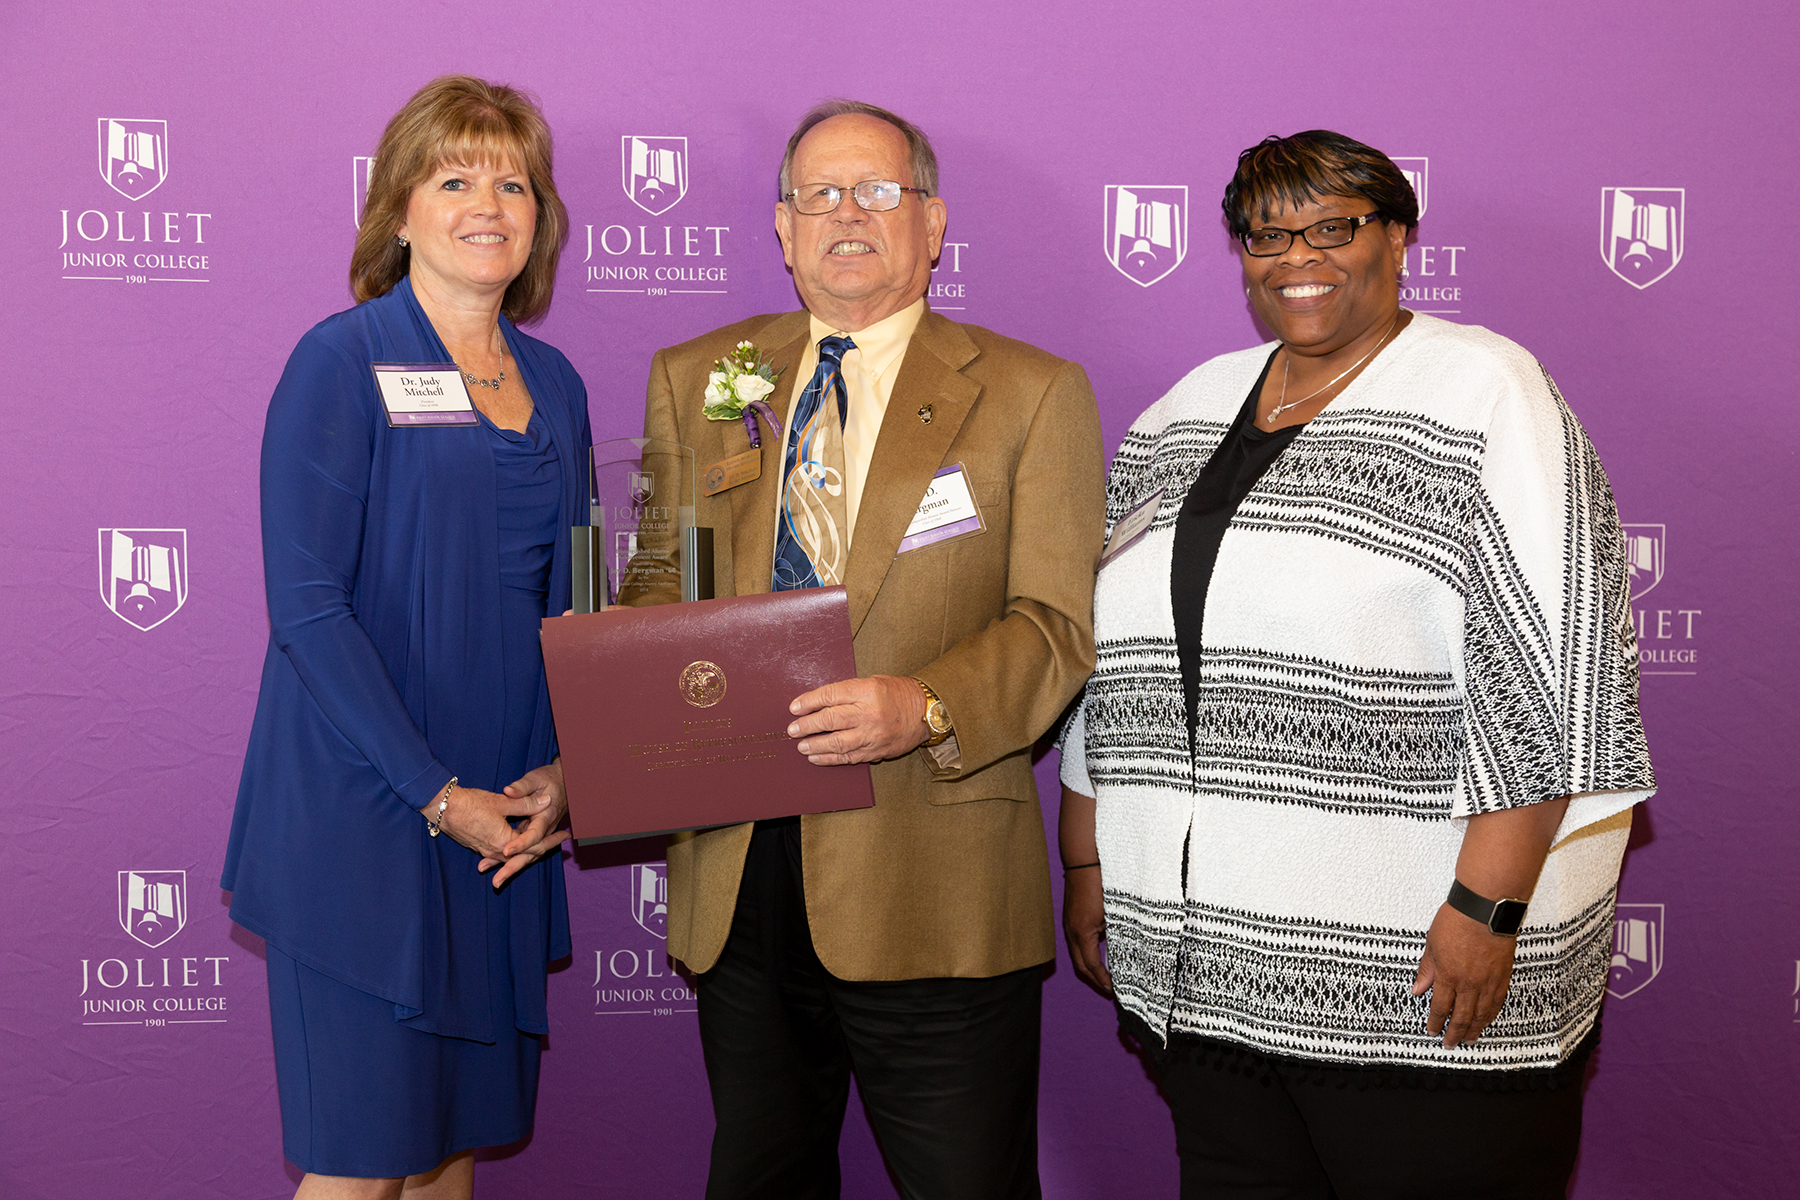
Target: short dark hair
point(1309, 166)
point(918, 146)
point(458, 120)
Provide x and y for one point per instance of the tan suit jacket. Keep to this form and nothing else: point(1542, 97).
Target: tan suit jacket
point(947, 874)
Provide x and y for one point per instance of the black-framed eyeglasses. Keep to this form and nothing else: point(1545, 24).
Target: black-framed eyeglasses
point(1328, 234)
point(872, 195)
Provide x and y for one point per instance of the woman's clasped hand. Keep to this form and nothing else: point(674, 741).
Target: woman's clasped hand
point(509, 829)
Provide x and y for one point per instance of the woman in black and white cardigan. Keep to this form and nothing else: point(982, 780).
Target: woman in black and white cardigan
point(1363, 643)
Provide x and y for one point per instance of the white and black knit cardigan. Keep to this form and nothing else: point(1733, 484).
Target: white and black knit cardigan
point(1419, 614)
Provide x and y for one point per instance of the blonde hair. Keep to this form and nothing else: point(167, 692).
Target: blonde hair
point(460, 120)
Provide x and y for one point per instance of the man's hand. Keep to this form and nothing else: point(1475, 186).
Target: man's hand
point(860, 720)
point(1467, 968)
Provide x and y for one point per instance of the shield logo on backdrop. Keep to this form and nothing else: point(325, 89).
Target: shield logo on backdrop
point(134, 155)
point(1643, 557)
point(360, 166)
point(1642, 232)
point(153, 905)
point(1637, 948)
point(650, 897)
point(656, 171)
point(144, 574)
point(1146, 230)
point(1415, 171)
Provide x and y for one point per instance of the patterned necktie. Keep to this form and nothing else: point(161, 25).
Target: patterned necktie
point(809, 538)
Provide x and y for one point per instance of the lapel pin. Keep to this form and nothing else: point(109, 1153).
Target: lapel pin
point(925, 415)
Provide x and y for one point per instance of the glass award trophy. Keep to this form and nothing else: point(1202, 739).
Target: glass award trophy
point(641, 545)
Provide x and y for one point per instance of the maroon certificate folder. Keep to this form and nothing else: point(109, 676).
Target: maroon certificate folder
point(675, 716)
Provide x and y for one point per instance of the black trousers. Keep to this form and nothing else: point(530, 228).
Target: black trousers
point(947, 1068)
point(1252, 1129)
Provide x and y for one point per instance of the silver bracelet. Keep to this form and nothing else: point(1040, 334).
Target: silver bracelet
point(443, 802)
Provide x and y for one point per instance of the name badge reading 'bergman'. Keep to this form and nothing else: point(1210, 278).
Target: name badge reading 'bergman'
point(947, 511)
point(424, 394)
point(728, 473)
point(1132, 527)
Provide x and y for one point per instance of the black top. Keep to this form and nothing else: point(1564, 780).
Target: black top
point(1240, 460)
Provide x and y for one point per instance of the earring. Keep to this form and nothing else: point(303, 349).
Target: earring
point(1405, 274)
point(401, 238)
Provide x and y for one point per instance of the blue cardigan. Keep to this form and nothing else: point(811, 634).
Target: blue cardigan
point(380, 554)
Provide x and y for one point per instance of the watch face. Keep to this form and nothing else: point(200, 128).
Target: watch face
point(936, 717)
point(1508, 916)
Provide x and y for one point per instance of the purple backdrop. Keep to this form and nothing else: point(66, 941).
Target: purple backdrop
point(187, 214)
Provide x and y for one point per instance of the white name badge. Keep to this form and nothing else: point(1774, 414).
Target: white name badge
point(424, 394)
point(1132, 526)
point(947, 511)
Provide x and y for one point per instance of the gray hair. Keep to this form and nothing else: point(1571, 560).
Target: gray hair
point(924, 158)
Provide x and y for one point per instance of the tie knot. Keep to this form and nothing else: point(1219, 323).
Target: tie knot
point(832, 349)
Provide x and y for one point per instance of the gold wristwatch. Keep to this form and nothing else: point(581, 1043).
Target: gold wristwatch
point(936, 719)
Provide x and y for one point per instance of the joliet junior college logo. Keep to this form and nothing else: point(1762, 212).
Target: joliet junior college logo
point(1642, 232)
point(650, 897)
point(1146, 230)
point(1644, 557)
point(1415, 171)
point(642, 485)
point(134, 155)
point(655, 171)
point(1637, 948)
point(144, 574)
point(153, 905)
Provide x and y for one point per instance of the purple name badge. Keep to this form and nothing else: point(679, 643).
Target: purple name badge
point(424, 394)
point(1132, 526)
point(947, 511)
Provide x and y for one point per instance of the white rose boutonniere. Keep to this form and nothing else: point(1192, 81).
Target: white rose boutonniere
point(737, 389)
point(751, 388)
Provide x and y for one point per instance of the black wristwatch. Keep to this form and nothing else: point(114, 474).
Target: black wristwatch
point(1502, 917)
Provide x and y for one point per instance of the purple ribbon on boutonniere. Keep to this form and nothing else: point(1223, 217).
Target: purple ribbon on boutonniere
point(768, 414)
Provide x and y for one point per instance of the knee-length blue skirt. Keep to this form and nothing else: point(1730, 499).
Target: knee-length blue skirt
point(367, 1095)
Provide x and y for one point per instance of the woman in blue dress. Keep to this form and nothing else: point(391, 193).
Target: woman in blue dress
point(396, 834)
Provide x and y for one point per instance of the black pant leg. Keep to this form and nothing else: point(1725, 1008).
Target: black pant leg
point(1239, 1134)
point(1427, 1144)
point(948, 1073)
point(775, 1056)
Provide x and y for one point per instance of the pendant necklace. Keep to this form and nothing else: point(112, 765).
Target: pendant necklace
point(1283, 405)
point(495, 383)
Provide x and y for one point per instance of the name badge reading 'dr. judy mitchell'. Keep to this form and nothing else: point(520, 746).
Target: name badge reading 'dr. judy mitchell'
point(424, 394)
point(947, 511)
point(1132, 527)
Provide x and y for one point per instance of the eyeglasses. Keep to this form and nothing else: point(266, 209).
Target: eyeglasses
point(1328, 234)
point(872, 195)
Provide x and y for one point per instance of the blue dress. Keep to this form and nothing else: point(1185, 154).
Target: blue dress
point(406, 578)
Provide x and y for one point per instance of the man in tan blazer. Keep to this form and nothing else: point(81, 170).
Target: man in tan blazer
point(902, 942)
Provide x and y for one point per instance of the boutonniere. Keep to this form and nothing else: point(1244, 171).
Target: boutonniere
point(737, 387)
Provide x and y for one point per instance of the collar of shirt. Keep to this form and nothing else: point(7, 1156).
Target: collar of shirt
point(879, 348)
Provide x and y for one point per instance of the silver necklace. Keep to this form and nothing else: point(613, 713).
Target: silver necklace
point(487, 383)
point(1282, 405)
